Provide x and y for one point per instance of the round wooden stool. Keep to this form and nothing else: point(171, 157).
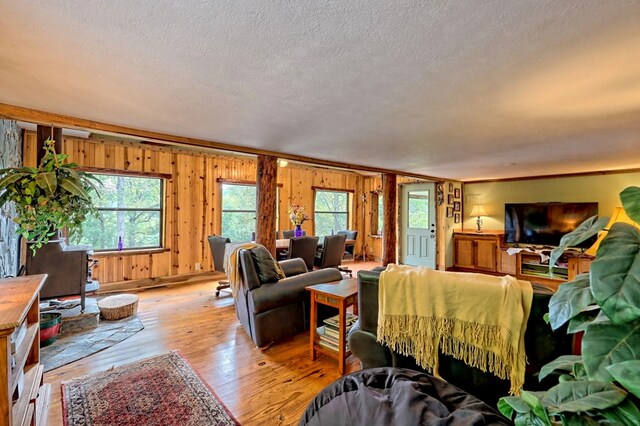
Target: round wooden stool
point(118, 306)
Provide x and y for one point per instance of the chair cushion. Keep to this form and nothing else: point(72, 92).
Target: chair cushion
point(293, 267)
point(394, 396)
point(267, 268)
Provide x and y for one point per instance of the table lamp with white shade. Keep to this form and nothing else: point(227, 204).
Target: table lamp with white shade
point(478, 211)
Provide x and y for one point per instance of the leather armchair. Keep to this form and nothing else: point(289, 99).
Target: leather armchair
point(349, 251)
point(332, 251)
point(542, 345)
point(275, 311)
point(304, 248)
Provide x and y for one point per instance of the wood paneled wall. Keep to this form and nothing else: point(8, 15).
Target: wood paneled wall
point(297, 184)
point(193, 200)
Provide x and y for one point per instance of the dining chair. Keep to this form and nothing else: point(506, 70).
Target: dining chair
point(349, 251)
point(217, 245)
point(290, 234)
point(304, 248)
point(330, 256)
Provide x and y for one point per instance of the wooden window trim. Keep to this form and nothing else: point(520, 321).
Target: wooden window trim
point(163, 210)
point(241, 182)
point(132, 173)
point(132, 252)
point(321, 188)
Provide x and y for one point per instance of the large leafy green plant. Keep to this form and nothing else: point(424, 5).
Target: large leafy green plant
point(602, 385)
point(50, 197)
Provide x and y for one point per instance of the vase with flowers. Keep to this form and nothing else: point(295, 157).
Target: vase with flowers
point(297, 216)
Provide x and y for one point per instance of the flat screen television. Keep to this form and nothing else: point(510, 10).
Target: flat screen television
point(545, 223)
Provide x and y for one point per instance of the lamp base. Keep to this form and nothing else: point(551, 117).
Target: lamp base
point(479, 223)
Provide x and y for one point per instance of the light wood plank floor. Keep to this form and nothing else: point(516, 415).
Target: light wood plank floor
point(260, 387)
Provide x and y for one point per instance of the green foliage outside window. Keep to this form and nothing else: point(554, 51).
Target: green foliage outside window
point(331, 212)
point(238, 211)
point(419, 209)
point(128, 207)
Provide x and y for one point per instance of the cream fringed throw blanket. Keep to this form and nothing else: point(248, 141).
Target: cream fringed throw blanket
point(231, 264)
point(479, 319)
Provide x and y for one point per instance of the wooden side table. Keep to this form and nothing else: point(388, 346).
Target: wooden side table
point(340, 295)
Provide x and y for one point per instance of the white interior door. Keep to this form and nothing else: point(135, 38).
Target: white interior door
point(418, 229)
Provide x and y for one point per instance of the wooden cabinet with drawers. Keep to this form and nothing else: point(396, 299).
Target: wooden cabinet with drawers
point(476, 251)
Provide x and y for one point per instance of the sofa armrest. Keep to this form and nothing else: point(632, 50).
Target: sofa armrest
point(364, 346)
point(293, 267)
point(289, 290)
point(368, 300)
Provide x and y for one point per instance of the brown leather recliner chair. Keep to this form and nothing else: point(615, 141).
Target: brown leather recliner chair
point(275, 311)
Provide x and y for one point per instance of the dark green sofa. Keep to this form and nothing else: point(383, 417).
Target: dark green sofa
point(541, 343)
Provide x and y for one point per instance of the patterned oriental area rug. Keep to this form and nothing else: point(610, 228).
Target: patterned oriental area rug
point(162, 390)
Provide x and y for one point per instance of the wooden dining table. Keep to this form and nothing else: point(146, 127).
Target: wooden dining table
point(282, 244)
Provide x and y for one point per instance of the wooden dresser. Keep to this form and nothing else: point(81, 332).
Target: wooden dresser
point(20, 368)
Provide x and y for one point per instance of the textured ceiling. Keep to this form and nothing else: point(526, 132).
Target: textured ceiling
point(451, 88)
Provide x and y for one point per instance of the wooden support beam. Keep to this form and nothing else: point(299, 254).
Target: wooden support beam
point(47, 132)
point(389, 190)
point(267, 183)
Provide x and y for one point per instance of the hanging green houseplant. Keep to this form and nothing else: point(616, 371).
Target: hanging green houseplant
point(50, 197)
point(602, 385)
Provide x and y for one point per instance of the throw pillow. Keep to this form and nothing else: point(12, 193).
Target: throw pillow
point(267, 268)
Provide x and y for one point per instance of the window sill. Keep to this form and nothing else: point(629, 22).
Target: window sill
point(129, 252)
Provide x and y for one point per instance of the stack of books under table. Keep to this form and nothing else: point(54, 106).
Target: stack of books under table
point(329, 336)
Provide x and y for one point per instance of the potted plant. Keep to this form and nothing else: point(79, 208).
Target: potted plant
point(602, 385)
point(48, 198)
